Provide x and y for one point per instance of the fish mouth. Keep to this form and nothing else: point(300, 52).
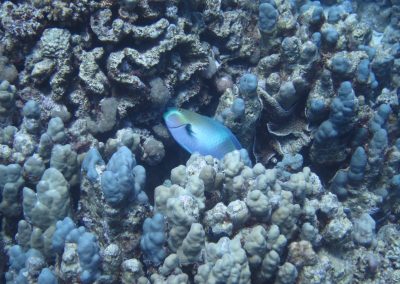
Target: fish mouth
point(173, 124)
point(169, 111)
point(173, 119)
point(177, 126)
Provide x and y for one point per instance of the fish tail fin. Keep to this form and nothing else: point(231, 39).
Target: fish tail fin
point(236, 142)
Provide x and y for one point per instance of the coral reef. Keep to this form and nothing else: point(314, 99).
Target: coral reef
point(94, 189)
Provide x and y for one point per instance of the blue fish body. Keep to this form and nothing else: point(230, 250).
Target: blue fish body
point(199, 133)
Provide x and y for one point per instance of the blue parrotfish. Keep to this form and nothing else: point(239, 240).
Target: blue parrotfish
point(199, 133)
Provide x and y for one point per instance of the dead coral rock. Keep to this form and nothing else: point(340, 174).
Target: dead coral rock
point(93, 78)
point(302, 254)
point(106, 29)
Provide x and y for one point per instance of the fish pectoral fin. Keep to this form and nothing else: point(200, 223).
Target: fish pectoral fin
point(189, 129)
